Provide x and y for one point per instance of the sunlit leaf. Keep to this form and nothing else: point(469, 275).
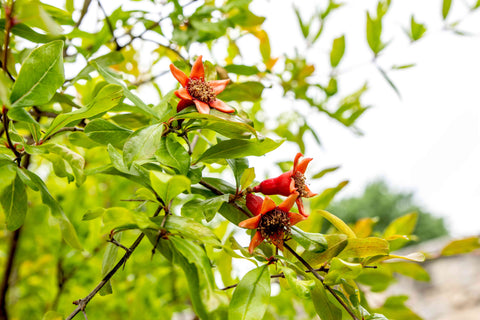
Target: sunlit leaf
point(14, 202)
point(461, 246)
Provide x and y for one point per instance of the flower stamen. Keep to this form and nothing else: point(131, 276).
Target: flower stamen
point(299, 179)
point(200, 90)
point(274, 225)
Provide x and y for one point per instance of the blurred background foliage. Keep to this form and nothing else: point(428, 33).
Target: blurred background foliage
point(131, 44)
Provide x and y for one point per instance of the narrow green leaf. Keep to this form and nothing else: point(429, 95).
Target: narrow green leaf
point(305, 28)
point(446, 8)
point(324, 172)
point(403, 225)
point(242, 69)
point(111, 58)
point(365, 247)
point(172, 154)
point(409, 269)
point(238, 166)
point(142, 144)
point(109, 261)
point(324, 308)
point(40, 76)
point(108, 97)
point(236, 148)
point(20, 114)
point(301, 288)
point(312, 242)
point(461, 246)
point(338, 223)
point(14, 202)
point(390, 82)
point(340, 269)
point(76, 161)
point(68, 231)
point(338, 49)
point(323, 200)
point(417, 30)
point(244, 91)
point(251, 296)
point(334, 249)
point(111, 78)
point(247, 178)
point(24, 31)
point(208, 208)
point(106, 132)
point(374, 32)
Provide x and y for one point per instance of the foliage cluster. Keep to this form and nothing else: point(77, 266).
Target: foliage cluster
point(96, 154)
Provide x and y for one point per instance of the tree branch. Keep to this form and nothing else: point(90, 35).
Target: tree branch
point(110, 26)
point(8, 272)
point(82, 303)
point(11, 146)
point(321, 279)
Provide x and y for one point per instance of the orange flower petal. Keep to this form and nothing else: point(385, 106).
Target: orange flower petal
point(182, 104)
point(179, 75)
point(256, 240)
point(221, 106)
point(295, 162)
point(302, 166)
point(267, 205)
point(295, 218)
point(197, 69)
point(288, 203)
point(218, 85)
point(300, 207)
point(202, 107)
point(250, 223)
point(182, 93)
point(277, 240)
point(309, 193)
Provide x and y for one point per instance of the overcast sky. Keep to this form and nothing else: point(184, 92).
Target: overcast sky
point(428, 141)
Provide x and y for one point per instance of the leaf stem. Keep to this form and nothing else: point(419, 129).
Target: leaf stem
point(8, 272)
point(11, 146)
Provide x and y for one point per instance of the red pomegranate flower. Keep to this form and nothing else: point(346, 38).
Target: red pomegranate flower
point(196, 91)
point(289, 183)
point(271, 221)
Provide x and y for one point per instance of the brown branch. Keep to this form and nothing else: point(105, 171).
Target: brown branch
point(11, 146)
point(9, 23)
point(84, 11)
point(321, 279)
point(82, 303)
point(110, 27)
point(66, 129)
point(8, 272)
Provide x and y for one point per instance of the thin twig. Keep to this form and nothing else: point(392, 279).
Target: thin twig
point(321, 279)
point(110, 26)
point(84, 11)
point(11, 146)
point(82, 303)
point(66, 129)
point(8, 272)
point(219, 193)
point(8, 27)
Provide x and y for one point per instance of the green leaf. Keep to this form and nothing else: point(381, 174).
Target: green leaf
point(338, 49)
point(75, 160)
point(111, 58)
point(340, 269)
point(106, 132)
point(409, 269)
point(40, 76)
point(110, 77)
point(14, 202)
point(461, 246)
point(251, 296)
point(237, 148)
point(400, 229)
point(189, 228)
point(5, 89)
point(20, 114)
point(24, 31)
point(324, 172)
point(242, 69)
point(244, 91)
point(208, 208)
point(142, 144)
point(301, 288)
point(168, 187)
point(312, 242)
point(108, 97)
point(374, 32)
point(323, 200)
point(238, 166)
point(324, 308)
point(365, 247)
point(68, 231)
point(305, 28)
point(390, 82)
point(109, 261)
point(335, 247)
point(172, 154)
point(230, 126)
point(338, 223)
point(446, 8)
point(247, 178)
point(417, 30)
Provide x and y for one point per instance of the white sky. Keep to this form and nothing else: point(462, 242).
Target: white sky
point(428, 141)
